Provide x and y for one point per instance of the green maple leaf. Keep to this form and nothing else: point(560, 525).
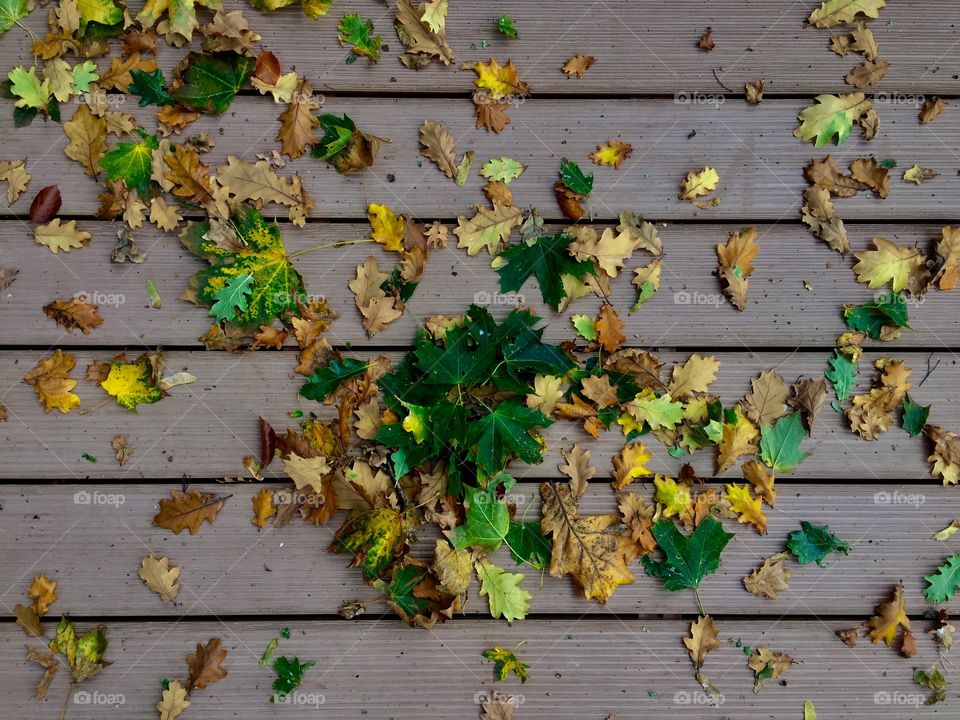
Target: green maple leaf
point(528, 354)
point(289, 674)
point(337, 133)
point(506, 662)
point(325, 380)
point(505, 596)
point(506, 26)
point(358, 32)
point(210, 82)
point(780, 443)
point(10, 13)
point(547, 259)
point(688, 559)
point(458, 363)
point(842, 374)
point(25, 85)
point(402, 594)
point(277, 285)
point(944, 582)
point(488, 518)
point(151, 87)
point(131, 162)
point(573, 177)
point(528, 544)
point(231, 299)
point(812, 543)
point(505, 430)
point(375, 536)
point(914, 416)
point(872, 317)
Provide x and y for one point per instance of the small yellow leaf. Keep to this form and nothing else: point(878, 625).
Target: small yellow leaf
point(674, 497)
point(613, 153)
point(387, 228)
point(698, 184)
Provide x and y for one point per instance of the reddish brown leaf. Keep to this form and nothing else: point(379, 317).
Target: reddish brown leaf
point(46, 204)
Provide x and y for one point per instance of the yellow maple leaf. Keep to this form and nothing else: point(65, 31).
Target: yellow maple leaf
point(387, 227)
point(43, 590)
point(738, 438)
point(500, 80)
point(613, 153)
point(547, 391)
point(698, 184)
point(488, 228)
point(609, 251)
point(674, 497)
point(747, 507)
point(905, 268)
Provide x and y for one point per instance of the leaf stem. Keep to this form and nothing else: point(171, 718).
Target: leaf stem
point(325, 246)
point(696, 594)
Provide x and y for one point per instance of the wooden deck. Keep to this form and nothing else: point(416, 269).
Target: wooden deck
point(589, 661)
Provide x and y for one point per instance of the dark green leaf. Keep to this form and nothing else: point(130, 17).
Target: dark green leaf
point(151, 87)
point(358, 32)
point(572, 176)
point(872, 317)
point(528, 544)
point(328, 378)
point(289, 675)
point(209, 82)
point(488, 518)
point(504, 431)
point(914, 416)
point(812, 543)
point(688, 559)
point(547, 259)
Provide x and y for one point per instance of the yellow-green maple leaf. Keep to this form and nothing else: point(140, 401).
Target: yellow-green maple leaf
point(837, 12)
point(905, 268)
point(673, 496)
point(133, 382)
point(375, 537)
point(831, 116)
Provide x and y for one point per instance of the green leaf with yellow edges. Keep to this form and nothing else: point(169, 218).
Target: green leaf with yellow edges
point(506, 662)
point(85, 654)
point(103, 12)
point(131, 162)
point(133, 382)
point(277, 286)
point(376, 537)
point(210, 82)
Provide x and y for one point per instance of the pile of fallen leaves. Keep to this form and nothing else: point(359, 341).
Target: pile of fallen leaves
point(430, 441)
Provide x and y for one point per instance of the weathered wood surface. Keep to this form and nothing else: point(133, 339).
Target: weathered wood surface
point(203, 430)
point(688, 310)
point(232, 568)
point(582, 668)
point(759, 161)
point(641, 47)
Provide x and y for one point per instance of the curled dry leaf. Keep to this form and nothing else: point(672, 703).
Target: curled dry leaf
point(74, 314)
point(204, 665)
point(578, 65)
point(770, 578)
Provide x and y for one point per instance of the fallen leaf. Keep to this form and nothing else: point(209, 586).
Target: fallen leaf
point(890, 616)
point(931, 110)
point(735, 265)
point(613, 153)
point(173, 701)
point(59, 237)
point(577, 467)
point(609, 326)
point(48, 661)
point(438, 145)
point(187, 510)
point(88, 139)
point(765, 404)
point(52, 382)
point(43, 590)
point(770, 578)
point(46, 204)
point(871, 174)
point(14, 173)
point(754, 92)
point(698, 184)
point(74, 314)
point(204, 665)
point(767, 664)
point(121, 450)
point(577, 65)
point(489, 228)
point(704, 637)
point(160, 577)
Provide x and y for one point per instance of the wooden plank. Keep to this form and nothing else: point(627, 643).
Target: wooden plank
point(641, 47)
point(203, 430)
point(688, 311)
point(581, 668)
point(759, 160)
point(91, 539)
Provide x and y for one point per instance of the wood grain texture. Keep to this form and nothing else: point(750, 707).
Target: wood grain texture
point(581, 668)
point(204, 430)
point(688, 310)
point(641, 46)
point(759, 161)
point(231, 568)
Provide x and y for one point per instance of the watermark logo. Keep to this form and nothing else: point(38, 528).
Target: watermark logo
point(83, 497)
point(82, 697)
point(698, 98)
point(684, 297)
point(100, 298)
point(485, 696)
point(909, 99)
point(497, 298)
point(885, 697)
point(885, 297)
point(301, 699)
point(884, 497)
point(682, 697)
